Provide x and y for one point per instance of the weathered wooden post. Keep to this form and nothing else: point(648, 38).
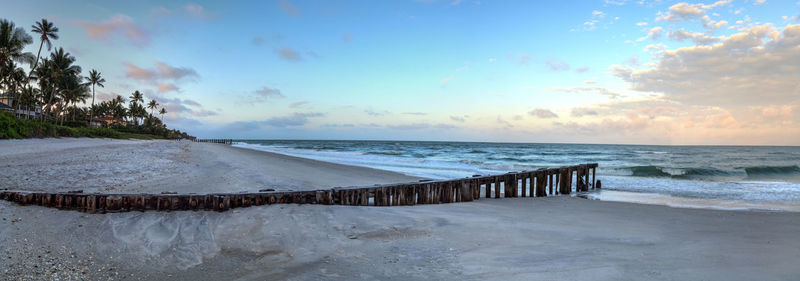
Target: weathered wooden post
point(510, 186)
point(541, 183)
point(497, 181)
point(448, 192)
point(411, 194)
point(476, 189)
point(488, 185)
point(466, 191)
point(586, 177)
point(564, 187)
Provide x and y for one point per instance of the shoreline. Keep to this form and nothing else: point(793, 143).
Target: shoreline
point(556, 237)
point(187, 167)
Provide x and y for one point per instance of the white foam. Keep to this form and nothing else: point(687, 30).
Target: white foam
point(695, 203)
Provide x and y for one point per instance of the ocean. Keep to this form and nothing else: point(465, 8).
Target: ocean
point(724, 177)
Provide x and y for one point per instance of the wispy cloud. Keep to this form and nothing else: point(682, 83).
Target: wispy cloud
point(582, 111)
point(586, 89)
point(262, 95)
point(556, 65)
point(542, 113)
point(160, 72)
point(298, 104)
point(289, 54)
point(287, 7)
point(198, 12)
point(295, 120)
point(268, 92)
point(118, 25)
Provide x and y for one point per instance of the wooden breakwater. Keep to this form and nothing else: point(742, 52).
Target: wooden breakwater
point(537, 183)
point(222, 141)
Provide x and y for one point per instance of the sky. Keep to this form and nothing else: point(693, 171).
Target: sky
point(613, 71)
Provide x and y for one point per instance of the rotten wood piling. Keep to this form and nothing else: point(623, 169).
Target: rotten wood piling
point(538, 183)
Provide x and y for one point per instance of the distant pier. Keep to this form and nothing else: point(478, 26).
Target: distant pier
point(222, 141)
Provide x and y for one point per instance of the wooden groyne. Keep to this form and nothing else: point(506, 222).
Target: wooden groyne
point(222, 141)
point(537, 183)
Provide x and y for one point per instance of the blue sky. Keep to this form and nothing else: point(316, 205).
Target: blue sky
point(524, 71)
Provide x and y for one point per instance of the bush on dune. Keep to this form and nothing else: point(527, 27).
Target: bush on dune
point(12, 127)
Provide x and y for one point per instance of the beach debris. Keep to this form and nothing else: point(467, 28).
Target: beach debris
point(266, 190)
point(75, 191)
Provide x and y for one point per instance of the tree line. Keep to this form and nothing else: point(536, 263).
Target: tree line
point(55, 86)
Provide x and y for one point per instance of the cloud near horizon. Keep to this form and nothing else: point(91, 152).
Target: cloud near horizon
point(295, 120)
point(542, 113)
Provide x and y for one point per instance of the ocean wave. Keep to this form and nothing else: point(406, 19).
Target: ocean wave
point(678, 173)
point(771, 171)
point(648, 171)
point(390, 153)
point(316, 147)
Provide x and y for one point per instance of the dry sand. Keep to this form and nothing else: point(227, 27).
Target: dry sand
point(126, 166)
point(554, 238)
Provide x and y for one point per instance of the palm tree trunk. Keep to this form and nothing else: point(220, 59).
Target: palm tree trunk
point(35, 64)
point(49, 104)
point(91, 109)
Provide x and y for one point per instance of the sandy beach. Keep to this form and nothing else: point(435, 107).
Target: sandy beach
point(554, 238)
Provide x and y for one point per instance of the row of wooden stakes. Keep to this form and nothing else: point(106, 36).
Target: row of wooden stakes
point(538, 183)
point(222, 141)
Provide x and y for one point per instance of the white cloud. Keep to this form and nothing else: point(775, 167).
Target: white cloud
point(685, 12)
point(586, 89)
point(698, 38)
point(655, 33)
point(743, 69)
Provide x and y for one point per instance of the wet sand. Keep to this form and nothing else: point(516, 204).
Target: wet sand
point(498, 239)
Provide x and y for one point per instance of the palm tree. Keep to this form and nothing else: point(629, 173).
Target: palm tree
point(94, 79)
point(74, 92)
point(46, 32)
point(162, 112)
point(136, 97)
point(152, 106)
point(116, 109)
point(28, 99)
point(12, 42)
point(61, 72)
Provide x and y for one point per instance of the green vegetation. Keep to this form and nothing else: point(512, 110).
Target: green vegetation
point(12, 127)
point(55, 87)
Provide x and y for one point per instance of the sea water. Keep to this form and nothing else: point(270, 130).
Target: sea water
point(731, 177)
